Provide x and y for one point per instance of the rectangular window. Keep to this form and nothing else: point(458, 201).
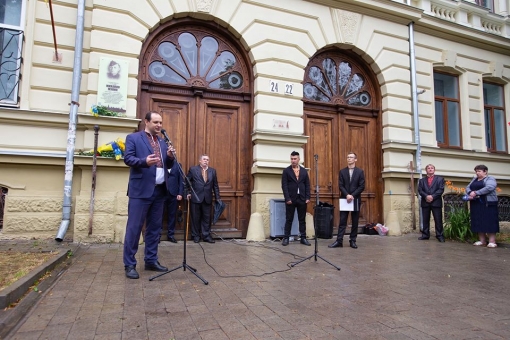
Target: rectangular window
point(489, 4)
point(494, 114)
point(447, 110)
point(11, 43)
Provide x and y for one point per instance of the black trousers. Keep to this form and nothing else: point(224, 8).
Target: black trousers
point(300, 205)
point(201, 219)
point(343, 225)
point(437, 212)
point(171, 206)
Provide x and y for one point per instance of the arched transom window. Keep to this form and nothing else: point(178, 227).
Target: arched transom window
point(337, 80)
point(197, 59)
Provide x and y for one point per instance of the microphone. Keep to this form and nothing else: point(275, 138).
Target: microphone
point(167, 140)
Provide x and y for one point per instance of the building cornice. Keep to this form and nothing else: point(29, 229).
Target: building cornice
point(13, 116)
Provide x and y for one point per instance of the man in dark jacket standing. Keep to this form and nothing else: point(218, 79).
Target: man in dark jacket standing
point(296, 190)
point(431, 189)
point(351, 182)
point(175, 188)
point(204, 182)
point(149, 158)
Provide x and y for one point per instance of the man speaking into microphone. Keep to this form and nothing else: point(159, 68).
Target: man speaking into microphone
point(149, 159)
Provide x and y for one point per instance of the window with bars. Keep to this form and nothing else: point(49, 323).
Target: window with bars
point(494, 114)
point(11, 43)
point(447, 110)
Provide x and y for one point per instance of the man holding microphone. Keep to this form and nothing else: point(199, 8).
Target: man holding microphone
point(149, 159)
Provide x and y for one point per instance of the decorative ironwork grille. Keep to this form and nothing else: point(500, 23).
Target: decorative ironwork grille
point(451, 201)
point(3, 194)
point(504, 208)
point(11, 42)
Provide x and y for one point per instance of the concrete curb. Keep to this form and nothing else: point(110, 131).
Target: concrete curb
point(15, 291)
point(10, 317)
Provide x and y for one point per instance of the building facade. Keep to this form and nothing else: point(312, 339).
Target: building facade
point(247, 82)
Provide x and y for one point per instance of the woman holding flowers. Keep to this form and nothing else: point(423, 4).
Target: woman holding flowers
point(481, 192)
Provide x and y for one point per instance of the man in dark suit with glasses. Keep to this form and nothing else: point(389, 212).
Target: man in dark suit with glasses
point(351, 182)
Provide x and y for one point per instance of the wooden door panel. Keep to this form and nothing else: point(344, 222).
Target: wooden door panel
point(320, 145)
point(175, 112)
point(222, 131)
point(202, 114)
point(332, 136)
point(360, 138)
point(322, 129)
point(221, 143)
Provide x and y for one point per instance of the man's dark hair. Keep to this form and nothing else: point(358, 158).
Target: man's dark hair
point(481, 167)
point(148, 115)
point(294, 153)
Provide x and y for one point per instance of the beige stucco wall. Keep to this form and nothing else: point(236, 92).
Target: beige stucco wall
point(280, 38)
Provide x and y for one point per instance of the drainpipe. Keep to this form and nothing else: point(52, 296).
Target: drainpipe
point(73, 115)
point(414, 96)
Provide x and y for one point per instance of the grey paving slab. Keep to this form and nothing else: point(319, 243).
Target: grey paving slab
point(388, 288)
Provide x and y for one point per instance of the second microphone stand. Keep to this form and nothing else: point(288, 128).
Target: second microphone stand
point(184, 265)
point(315, 254)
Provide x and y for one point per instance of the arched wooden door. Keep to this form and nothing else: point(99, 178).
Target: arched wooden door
point(199, 82)
point(342, 110)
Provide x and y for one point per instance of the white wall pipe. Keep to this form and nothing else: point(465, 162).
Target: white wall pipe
point(416, 117)
point(73, 115)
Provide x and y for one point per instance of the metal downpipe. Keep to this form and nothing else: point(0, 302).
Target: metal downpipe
point(416, 117)
point(73, 115)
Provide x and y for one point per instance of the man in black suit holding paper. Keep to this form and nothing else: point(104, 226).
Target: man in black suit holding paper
point(296, 190)
point(351, 182)
point(431, 190)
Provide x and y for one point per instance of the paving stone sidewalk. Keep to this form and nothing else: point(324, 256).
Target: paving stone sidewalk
point(388, 288)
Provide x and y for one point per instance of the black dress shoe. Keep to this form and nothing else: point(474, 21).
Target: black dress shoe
point(352, 243)
point(156, 267)
point(336, 244)
point(209, 240)
point(171, 239)
point(304, 241)
point(285, 241)
point(423, 238)
point(196, 239)
point(440, 239)
point(131, 272)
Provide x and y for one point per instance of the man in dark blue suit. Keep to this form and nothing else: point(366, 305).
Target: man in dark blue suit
point(431, 190)
point(175, 188)
point(148, 158)
point(351, 182)
point(296, 191)
point(204, 183)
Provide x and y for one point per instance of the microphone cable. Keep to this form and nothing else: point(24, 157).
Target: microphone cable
point(233, 241)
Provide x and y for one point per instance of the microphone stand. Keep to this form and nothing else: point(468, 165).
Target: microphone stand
point(315, 255)
point(184, 265)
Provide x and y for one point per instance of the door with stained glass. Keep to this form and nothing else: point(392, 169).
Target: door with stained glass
point(198, 80)
point(342, 115)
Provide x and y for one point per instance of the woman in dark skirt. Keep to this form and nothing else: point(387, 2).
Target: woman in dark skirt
point(483, 206)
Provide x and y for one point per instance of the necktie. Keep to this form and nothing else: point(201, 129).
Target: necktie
point(156, 147)
point(204, 174)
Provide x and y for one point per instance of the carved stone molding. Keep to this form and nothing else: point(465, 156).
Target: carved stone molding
point(347, 25)
point(204, 5)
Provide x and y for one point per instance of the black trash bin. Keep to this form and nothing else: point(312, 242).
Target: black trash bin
point(323, 219)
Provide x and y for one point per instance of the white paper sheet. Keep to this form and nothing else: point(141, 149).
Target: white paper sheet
point(345, 206)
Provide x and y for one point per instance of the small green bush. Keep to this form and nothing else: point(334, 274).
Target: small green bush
point(458, 225)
